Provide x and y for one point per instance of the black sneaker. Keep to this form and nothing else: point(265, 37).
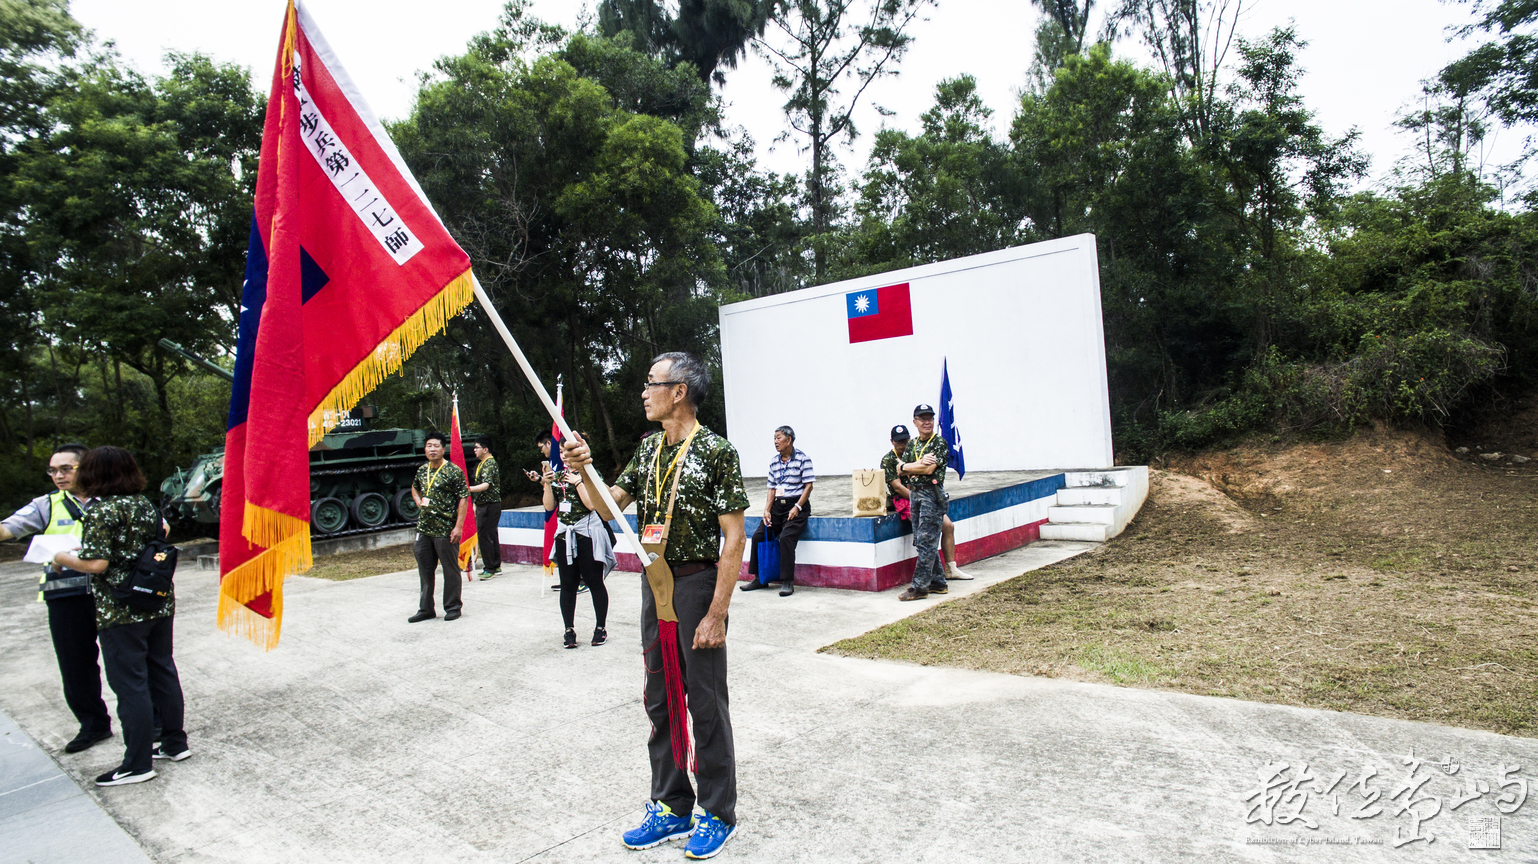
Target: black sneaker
point(160, 752)
point(86, 740)
point(571, 638)
point(421, 616)
point(600, 635)
point(752, 585)
point(939, 589)
point(119, 777)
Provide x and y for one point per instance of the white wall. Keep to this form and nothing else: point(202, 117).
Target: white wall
point(1021, 328)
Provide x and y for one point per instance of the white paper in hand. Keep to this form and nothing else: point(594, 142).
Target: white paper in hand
point(45, 546)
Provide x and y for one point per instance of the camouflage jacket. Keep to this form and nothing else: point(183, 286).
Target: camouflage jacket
point(916, 450)
point(488, 472)
point(889, 465)
point(115, 531)
point(711, 487)
point(566, 493)
point(442, 488)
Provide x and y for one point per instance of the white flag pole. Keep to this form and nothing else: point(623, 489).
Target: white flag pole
point(560, 421)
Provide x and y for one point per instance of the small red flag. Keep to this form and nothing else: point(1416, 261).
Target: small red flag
point(457, 456)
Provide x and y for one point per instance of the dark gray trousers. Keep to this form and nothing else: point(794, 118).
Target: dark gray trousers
point(704, 672)
point(928, 516)
point(143, 675)
point(486, 518)
point(431, 552)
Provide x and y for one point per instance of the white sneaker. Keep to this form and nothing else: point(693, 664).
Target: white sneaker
point(954, 572)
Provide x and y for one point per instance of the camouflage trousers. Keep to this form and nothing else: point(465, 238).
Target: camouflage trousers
point(929, 505)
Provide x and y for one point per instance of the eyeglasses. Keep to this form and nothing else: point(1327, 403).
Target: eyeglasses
point(60, 472)
point(662, 384)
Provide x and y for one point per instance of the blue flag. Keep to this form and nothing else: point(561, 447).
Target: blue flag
point(948, 428)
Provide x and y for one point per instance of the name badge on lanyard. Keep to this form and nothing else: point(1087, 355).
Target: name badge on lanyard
point(427, 502)
point(651, 534)
point(565, 506)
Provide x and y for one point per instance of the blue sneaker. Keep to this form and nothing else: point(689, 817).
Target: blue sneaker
point(710, 834)
point(660, 825)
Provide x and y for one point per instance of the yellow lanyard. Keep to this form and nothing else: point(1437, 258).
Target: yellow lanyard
point(478, 468)
point(661, 479)
point(432, 477)
point(924, 446)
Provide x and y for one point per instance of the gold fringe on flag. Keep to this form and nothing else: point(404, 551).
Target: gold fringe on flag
point(467, 551)
point(386, 358)
point(287, 542)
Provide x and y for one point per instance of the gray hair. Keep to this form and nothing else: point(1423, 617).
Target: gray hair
point(787, 432)
point(687, 369)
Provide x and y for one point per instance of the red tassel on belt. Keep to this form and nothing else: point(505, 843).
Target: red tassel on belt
point(678, 702)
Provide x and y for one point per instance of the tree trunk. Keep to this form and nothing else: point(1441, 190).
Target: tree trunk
point(603, 412)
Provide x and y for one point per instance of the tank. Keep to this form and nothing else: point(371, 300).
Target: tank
point(360, 478)
point(359, 481)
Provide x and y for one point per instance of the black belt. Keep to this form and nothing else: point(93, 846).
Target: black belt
point(689, 568)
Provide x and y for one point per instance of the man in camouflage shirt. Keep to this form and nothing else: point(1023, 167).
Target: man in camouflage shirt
point(704, 549)
point(922, 470)
point(442, 497)
point(897, 490)
point(486, 492)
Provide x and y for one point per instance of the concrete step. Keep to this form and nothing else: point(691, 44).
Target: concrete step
point(1075, 531)
point(1100, 479)
point(1101, 495)
point(1084, 513)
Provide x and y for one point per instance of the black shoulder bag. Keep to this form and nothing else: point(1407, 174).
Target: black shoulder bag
point(146, 587)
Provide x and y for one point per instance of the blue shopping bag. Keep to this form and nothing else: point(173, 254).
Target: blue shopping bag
point(769, 557)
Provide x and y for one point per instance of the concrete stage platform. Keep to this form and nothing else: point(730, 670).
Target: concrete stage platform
point(993, 511)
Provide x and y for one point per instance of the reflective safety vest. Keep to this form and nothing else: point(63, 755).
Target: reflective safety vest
point(64, 512)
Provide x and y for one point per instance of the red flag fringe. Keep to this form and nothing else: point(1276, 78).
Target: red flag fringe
point(678, 701)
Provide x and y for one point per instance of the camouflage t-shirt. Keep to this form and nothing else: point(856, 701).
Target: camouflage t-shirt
point(710, 487)
point(442, 487)
point(916, 450)
point(566, 493)
point(487, 472)
point(115, 531)
point(889, 465)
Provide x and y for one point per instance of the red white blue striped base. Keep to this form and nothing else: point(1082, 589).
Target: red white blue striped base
point(859, 553)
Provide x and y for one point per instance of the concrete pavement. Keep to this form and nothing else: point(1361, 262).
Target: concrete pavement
point(363, 738)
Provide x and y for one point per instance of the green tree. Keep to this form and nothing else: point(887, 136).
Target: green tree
point(582, 217)
point(823, 50)
point(951, 190)
point(706, 34)
point(1506, 70)
point(137, 221)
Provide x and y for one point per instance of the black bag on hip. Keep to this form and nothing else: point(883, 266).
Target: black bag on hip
point(146, 587)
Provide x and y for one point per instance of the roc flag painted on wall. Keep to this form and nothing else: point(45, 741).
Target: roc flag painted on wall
point(879, 313)
point(349, 270)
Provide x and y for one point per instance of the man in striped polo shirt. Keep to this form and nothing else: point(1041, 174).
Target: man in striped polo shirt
point(785, 510)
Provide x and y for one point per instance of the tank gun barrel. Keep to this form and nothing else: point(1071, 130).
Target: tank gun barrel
point(215, 368)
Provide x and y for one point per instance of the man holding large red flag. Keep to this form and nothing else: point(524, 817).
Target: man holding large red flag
point(349, 271)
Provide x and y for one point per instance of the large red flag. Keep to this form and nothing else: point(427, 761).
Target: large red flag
point(349, 271)
point(467, 529)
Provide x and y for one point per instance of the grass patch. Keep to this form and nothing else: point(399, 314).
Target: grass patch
point(368, 562)
point(1405, 595)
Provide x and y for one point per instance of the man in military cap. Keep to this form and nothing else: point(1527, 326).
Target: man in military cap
point(71, 611)
point(442, 497)
point(704, 549)
point(922, 470)
point(897, 491)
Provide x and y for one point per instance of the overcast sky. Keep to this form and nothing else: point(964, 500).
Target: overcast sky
point(1364, 61)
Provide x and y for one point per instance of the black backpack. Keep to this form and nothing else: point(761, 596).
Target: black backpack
point(146, 587)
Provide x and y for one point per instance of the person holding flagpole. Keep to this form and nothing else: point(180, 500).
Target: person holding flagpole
point(442, 497)
point(487, 495)
point(686, 482)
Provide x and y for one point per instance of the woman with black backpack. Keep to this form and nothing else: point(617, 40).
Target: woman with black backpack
point(135, 643)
